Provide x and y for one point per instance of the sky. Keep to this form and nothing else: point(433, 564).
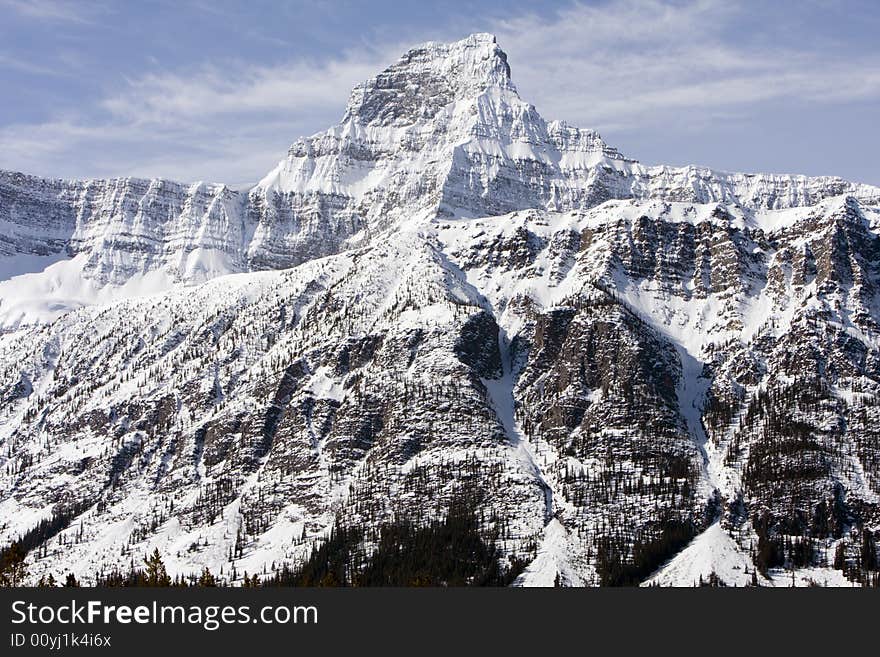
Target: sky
point(217, 90)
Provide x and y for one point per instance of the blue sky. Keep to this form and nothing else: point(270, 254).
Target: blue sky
point(218, 90)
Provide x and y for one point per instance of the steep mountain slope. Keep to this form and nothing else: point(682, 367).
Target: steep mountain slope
point(715, 342)
point(441, 132)
point(445, 293)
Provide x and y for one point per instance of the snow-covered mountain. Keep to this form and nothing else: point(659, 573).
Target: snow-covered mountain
point(445, 291)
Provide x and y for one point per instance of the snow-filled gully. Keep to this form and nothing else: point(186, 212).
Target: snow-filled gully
point(551, 564)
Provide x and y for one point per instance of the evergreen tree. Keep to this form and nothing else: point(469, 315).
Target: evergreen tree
point(840, 556)
point(869, 550)
point(47, 581)
point(450, 551)
point(156, 575)
point(13, 569)
point(207, 578)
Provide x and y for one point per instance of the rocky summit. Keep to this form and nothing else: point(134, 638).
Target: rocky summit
point(445, 307)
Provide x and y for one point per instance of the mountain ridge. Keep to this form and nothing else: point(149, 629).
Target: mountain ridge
point(475, 149)
point(633, 364)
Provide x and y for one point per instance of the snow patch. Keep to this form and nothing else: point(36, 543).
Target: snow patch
point(712, 551)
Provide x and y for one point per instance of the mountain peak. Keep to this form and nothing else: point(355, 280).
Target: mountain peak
point(429, 77)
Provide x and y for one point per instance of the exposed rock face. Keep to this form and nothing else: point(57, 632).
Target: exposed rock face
point(441, 132)
point(456, 293)
point(126, 227)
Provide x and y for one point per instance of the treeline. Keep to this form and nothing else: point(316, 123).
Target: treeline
point(792, 457)
point(858, 559)
point(450, 551)
point(445, 552)
point(621, 562)
point(13, 570)
point(154, 573)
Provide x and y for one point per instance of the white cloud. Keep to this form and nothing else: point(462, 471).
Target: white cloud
point(52, 10)
point(228, 123)
point(27, 66)
point(629, 63)
point(625, 65)
point(296, 86)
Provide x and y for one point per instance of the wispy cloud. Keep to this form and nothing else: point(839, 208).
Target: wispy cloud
point(52, 10)
point(244, 90)
point(627, 63)
point(228, 123)
point(28, 66)
point(620, 65)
